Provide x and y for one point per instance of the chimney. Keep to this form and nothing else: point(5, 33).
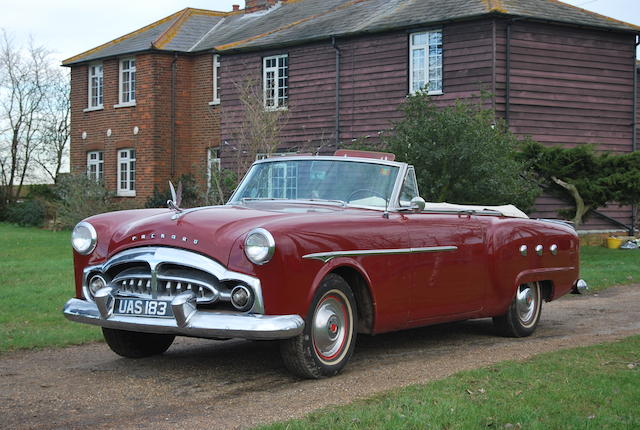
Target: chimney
point(236, 7)
point(255, 5)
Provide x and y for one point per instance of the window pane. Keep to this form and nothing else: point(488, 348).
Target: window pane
point(419, 38)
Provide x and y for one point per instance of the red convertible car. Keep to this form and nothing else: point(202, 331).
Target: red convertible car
point(312, 250)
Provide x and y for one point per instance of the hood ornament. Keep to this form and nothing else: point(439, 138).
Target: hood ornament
point(176, 200)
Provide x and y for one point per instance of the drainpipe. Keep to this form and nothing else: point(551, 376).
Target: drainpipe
point(174, 74)
point(507, 86)
point(337, 132)
point(634, 136)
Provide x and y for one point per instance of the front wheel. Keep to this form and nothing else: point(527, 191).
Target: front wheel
point(132, 344)
point(523, 314)
point(327, 342)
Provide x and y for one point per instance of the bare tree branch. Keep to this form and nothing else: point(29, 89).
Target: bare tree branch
point(34, 116)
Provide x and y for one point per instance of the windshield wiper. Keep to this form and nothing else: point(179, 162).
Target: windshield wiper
point(252, 199)
point(340, 202)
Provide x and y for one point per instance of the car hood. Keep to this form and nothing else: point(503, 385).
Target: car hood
point(208, 230)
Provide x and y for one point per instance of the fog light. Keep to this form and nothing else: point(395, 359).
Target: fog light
point(241, 298)
point(96, 284)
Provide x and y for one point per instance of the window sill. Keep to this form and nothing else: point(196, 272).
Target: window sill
point(214, 103)
point(91, 109)
point(431, 93)
point(276, 109)
point(125, 193)
point(125, 105)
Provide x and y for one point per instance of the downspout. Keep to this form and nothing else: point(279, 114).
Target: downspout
point(174, 74)
point(634, 136)
point(507, 86)
point(338, 56)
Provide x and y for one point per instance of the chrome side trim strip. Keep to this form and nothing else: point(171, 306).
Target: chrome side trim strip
point(207, 324)
point(327, 256)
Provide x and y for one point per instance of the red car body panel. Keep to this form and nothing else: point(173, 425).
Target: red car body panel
point(478, 279)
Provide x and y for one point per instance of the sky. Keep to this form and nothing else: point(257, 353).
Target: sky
point(69, 27)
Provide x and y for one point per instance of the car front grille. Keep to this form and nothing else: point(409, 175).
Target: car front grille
point(171, 280)
point(155, 272)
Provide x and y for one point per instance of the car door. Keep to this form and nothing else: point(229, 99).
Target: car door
point(449, 261)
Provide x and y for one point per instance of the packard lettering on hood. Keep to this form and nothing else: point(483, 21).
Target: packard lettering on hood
point(164, 236)
point(311, 251)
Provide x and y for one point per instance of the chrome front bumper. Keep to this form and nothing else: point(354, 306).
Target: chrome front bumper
point(188, 321)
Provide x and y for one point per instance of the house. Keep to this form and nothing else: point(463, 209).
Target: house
point(164, 100)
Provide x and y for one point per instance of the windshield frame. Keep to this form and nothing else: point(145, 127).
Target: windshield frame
point(393, 199)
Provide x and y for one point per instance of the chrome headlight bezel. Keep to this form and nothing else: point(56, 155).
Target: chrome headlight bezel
point(267, 249)
point(91, 240)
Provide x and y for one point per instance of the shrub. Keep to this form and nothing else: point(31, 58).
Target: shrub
point(588, 178)
point(27, 213)
point(191, 194)
point(223, 183)
point(462, 154)
point(81, 197)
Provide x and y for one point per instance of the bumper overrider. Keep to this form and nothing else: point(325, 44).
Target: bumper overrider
point(187, 319)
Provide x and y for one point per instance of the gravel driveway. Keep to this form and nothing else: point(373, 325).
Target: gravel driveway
point(201, 384)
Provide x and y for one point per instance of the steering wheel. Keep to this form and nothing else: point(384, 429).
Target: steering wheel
point(366, 190)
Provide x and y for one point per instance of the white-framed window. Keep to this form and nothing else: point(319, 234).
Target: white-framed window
point(276, 81)
point(213, 164)
point(126, 172)
point(216, 80)
point(95, 165)
point(282, 181)
point(127, 82)
point(425, 62)
point(95, 86)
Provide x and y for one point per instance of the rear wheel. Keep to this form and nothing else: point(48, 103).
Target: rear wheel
point(327, 342)
point(521, 319)
point(132, 344)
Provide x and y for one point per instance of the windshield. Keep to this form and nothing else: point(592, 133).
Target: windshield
point(357, 183)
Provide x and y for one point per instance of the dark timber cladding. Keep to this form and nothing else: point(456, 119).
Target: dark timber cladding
point(569, 86)
point(374, 82)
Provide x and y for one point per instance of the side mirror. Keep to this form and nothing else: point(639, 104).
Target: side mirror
point(417, 204)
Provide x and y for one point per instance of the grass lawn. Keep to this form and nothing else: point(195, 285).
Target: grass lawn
point(602, 267)
point(36, 279)
point(587, 388)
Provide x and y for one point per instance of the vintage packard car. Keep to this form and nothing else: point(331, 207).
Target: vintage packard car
point(311, 251)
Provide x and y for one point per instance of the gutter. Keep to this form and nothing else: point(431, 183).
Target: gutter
point(338, 57)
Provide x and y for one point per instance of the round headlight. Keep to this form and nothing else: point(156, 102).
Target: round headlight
point(259, 246)
point(84, 238)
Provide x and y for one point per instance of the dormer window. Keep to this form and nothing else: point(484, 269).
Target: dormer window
point(127, 82)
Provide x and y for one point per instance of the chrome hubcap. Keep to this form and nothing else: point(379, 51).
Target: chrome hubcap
point(526, 303)
point(330, 327)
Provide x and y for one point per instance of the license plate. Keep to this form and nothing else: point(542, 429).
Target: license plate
point(143, 308)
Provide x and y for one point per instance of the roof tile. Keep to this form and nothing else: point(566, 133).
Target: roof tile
point(299, 21)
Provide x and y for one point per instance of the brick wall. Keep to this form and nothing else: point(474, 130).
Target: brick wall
point(196, 125)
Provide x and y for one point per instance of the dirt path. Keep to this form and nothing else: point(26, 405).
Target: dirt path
point(201, 384)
